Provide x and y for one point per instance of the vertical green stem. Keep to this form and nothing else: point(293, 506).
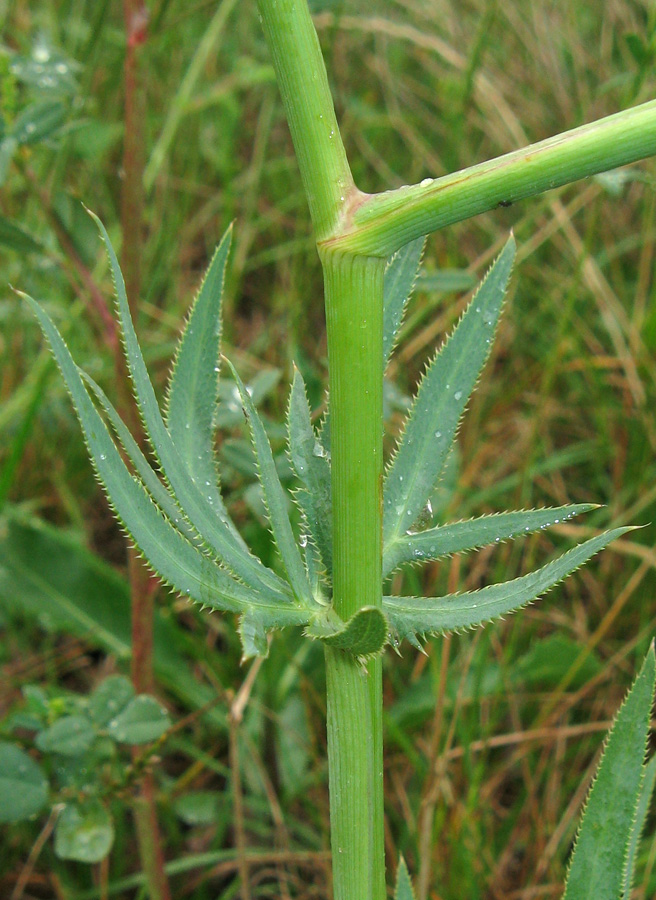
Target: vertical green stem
point(303, 84)
point(354, 311)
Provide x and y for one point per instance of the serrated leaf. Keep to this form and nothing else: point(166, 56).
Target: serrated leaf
point(111, 696)
point(400, 277)
point(598, 867)
point(142, 720)
point(68, 736)
point(642, 810)
point(183, 565)
point(313, 469)
point(411, 617)
point(23, 785)
point(440, 401)
point(217, 530)
point(469, 535)
point(84, 832)
point(164, 500)
point(276, 500)
point(403, 889)
point(365, 634)
point(194, 383)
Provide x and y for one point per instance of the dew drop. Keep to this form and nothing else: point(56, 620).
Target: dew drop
point(303, 540)
point(457, 395)
point(103, 457)
point(425, 182)
point(438, 434)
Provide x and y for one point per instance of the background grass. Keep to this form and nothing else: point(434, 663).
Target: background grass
point(492, 736)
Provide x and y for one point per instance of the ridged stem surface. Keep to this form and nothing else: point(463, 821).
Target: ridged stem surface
point(303, 84)
point(354, 313)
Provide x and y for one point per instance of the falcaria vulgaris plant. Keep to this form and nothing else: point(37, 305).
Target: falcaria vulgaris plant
point(359, 513)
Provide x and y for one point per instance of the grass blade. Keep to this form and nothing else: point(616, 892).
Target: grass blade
point(473, 533)
point(313, 469)
point(182, 565)
point(217, 530)
point(276, 500)
point(598, 867)
point(441, 399)
point(412, 617)
point(194, 382)
point(400, 277)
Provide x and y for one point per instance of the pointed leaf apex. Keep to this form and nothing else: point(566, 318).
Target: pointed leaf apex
point(403, 889)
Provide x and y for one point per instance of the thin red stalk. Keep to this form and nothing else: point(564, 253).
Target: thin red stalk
point(142, 583)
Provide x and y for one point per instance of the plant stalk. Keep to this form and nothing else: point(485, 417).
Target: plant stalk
point(354, 314)
point(303, 83)
point(382, 223)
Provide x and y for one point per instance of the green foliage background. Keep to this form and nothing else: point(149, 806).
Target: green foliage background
point(491, 735)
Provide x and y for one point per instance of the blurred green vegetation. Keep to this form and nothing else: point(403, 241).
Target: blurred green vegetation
point(491, 737)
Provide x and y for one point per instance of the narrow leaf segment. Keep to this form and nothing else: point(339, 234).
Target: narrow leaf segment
point(414, 617)
point(177, 560)
point(214, 527)
point(400, 277)
point(440, 402)
point(275, 499)
point(403, 889)
point(469, 535)
point(194, 383)
point(598, 867)
point(310, 461)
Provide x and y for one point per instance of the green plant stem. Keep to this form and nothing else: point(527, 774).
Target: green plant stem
point(303, 84)
point(354, 314)
point(381, 223)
